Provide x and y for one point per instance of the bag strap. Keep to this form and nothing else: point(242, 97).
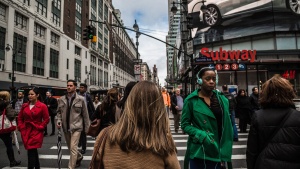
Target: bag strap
point(102, 141)
point(279, 127)
point(3, 117)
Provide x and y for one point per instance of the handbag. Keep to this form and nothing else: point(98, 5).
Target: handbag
point(94, 128)
point(98, 164)
point(6, 126)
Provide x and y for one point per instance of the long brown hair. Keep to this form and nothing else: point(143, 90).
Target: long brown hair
point(144, 124)
point(277, 92)
point(109, 101)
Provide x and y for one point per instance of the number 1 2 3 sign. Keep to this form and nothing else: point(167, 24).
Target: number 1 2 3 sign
point(226, 66)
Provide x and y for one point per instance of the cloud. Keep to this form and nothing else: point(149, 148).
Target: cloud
point(152, 18)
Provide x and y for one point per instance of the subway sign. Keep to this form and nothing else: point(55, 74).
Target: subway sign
point(233, 55)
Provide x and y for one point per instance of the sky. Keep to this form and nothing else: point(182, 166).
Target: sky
point(152, 18)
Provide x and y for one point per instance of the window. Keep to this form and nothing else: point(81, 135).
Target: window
point(77, 35)
point(67, 44)
point(68, 28)
point(100, 63)
point(56, 19)
point(54, 55)
point(54, 39)
point(105, 79)
point(67, 77)
point(78, 7)
point(2, 43)
point(93, 59)
point(77, 69)
point(93, 75)
point(41, 7)
point(69, 13)
point(105, 65)
point(2, 12)
point(57, 4)
point(20, 21)
point(20, 43)
point(38, 59)
point(39, 30)
point(78, 21)
point(100, 77)
point(77, 51)
point(67, 63)
point(27, 2)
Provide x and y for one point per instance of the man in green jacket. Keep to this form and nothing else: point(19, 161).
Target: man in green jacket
point(206, 119)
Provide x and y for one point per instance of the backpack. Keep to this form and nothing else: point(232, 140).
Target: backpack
point(231, 100)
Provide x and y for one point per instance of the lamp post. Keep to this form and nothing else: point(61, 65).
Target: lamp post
point(186, 24)
point(137, 35)
point(13, 78)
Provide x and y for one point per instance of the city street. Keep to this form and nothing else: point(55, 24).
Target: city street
point(48, 153)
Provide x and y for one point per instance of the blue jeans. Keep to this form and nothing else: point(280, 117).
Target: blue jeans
point(197, 163)
point(235, 132)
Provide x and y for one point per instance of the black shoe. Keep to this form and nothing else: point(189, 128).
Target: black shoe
point(82, 151)
point(78, 162)
point(52, 134)
point(15, 163)
point(45, 134)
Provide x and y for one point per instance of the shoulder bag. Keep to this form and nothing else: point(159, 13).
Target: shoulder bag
point(96, 163)
point(6, 126)
point(94, 128)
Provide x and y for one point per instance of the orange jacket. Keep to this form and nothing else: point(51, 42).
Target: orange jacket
point(166, 97)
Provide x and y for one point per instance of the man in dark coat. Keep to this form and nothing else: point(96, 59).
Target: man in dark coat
point(254, 99)
point(176, 106)
point(91, 110)
point(51, 103)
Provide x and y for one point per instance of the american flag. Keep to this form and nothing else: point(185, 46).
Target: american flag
point(59, 151)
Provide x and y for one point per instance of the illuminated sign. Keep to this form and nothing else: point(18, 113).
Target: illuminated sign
point(289, 74)
point(223, 55)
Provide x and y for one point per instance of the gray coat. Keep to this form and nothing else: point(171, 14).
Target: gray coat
point(79, 118)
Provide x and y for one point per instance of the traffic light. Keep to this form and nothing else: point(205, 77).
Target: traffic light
point(89, 32)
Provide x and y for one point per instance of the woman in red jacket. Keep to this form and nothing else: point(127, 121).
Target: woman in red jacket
point(32, 121)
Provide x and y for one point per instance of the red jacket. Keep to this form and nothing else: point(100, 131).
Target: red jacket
point(31, 124)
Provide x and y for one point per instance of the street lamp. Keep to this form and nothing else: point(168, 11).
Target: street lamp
point(136, 28)
point(13, 78)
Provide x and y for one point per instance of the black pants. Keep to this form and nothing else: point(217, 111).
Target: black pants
point(243, 125)
point(6, 138)
point(53, 125)
point(33, 159)
point(82, 140)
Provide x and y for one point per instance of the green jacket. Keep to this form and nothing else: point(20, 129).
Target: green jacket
point(199, 122)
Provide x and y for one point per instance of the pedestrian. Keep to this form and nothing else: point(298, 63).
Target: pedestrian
point(96, 102)
point(232, 106)
point(142, 137)
point(243, 109)
point(206, 119)
point(274, 137)
point(176, 106)
point(32, 120)
point(121, 103)
point(7, 136)
point(51, 104)
point(90, 107)
point(167, 100)
point(72, 116)
point(254, 100)
point(106, 112)
point(17, 104)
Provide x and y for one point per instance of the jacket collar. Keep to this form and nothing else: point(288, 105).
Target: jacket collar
point(195, 94)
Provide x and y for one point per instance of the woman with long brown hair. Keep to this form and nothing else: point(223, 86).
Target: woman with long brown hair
point(274, 138)
point(142, 137)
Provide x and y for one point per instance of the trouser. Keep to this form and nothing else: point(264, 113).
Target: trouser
point(204, 164)
point(243, 125)
point(235, 132)
point(167, 110)
point(72, 140)
point(82, 140)
point(52, 125)
point(7, 139)
point(33, 159)
point(177, 118)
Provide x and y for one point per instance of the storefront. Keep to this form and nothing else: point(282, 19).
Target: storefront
point(250, 47)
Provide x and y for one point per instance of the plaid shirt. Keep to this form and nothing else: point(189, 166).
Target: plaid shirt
point(18, 105)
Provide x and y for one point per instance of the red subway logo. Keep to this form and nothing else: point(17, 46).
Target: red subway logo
point(232, 55)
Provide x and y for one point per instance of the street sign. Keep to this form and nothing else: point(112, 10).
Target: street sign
point(190, 47)
point(226, 66)
point(137, 69)
point(219, 66)
point(234, 66)
point(137, 60)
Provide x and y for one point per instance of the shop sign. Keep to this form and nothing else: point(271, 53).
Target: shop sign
point(235, 55)
point(289, 74)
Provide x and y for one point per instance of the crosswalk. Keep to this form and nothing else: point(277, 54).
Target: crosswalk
point(48, 153)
